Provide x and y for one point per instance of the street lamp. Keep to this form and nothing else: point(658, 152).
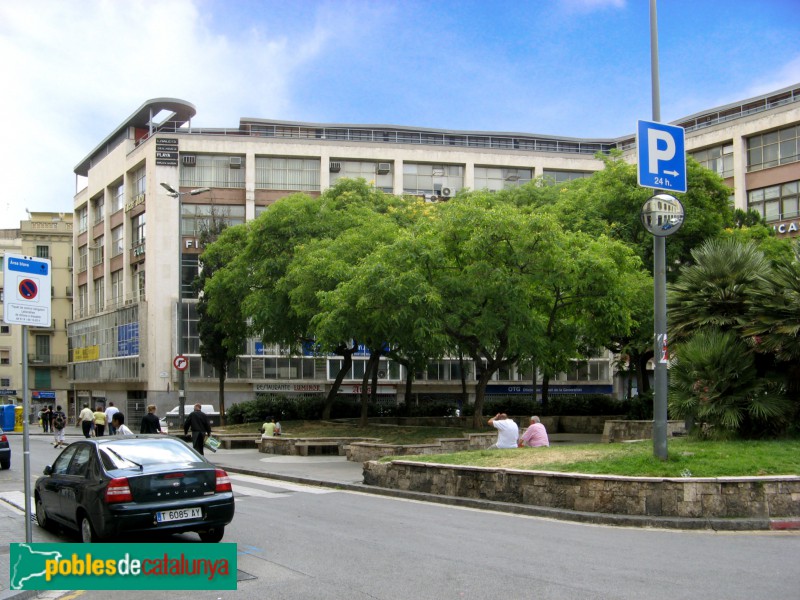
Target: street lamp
point(181, 348)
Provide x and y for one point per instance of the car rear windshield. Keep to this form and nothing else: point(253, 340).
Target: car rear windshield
point(145, 452)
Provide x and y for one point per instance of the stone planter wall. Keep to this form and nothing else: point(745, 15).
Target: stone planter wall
point(365, 451)
point(722, 497)
point(620, 431)
point(292, 446)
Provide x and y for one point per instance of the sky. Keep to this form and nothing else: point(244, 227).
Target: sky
point(74, 70)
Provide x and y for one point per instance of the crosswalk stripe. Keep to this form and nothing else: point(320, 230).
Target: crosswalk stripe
point(284, 485)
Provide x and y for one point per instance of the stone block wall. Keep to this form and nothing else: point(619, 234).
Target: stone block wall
point(620, 431)
point(722, 497)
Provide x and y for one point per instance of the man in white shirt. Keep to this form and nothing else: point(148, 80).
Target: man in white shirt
point(110, 412)
point(507, 432)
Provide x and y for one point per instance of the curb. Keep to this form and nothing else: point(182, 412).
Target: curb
point(681, 523)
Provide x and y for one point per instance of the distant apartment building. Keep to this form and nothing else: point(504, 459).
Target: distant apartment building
point(136, 247)
point(43, 235)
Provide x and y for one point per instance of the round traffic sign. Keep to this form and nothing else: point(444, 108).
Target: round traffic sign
point(180, 362)
point(28, 289)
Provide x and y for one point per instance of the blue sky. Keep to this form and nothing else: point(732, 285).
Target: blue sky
point(581, 68)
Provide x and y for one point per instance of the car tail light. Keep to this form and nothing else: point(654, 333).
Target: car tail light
point(118, 490)
point(3, 438)
point(223, 482)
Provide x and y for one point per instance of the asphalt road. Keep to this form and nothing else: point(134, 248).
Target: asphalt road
point(300, 542)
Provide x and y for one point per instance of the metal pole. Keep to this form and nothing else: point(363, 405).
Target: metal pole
point(26, 441)
point(181, 373)
point(659, 280)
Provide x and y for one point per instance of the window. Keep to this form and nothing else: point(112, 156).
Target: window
point(5, 382)
point(98, 205)
point(138, 183)
point(139, 230)
point(99, 293)
point(553, 177)
point(196, 218)
point(138, 284)
point(43, 347)
point(42, 251)
point(81, 215)
point(374, 173)
point(428, 179)
point(98, 251)
point(5, 356)
point(116, 288)
point(718, 159)
point(117, 196)
point(499, 178)
point(5, 329)
point(776, 202)
point(772, 149)
point(83, 258)
point(83, 300)
point(117, 243)
point(220, 171)
point(287, 173)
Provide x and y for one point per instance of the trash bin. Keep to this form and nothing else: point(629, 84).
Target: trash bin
point(7, 417)
point(19, 421)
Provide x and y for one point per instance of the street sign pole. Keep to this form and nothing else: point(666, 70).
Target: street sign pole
point(659, 277)
point(26, 439)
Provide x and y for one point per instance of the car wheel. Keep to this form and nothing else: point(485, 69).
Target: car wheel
point(87, 532)
point(212, 536)
point(41, 515)
point(5, 464)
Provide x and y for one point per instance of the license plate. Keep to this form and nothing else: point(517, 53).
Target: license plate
point(179, 514)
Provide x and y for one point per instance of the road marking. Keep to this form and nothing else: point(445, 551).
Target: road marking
point(248, 491)
point(285, 485)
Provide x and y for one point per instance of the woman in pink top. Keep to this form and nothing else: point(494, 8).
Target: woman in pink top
point(535, 435)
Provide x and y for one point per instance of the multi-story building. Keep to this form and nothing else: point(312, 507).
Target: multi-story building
point(136, 241)
point(43, 235)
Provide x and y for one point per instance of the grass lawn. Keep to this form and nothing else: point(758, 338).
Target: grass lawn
point(686, 457)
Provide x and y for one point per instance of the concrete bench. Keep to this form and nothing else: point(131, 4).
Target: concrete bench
point(313, 447)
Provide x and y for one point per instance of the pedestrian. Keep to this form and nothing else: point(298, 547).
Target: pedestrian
point(50, 412)
point(110, 410)
point(44, 418)
point(277, 428)
point(86, 419)
point(268, 428)
point(535, 435)
point(150, 422)
point(198, 422)
point(118, 420)
point(59, 423)
point(99, 421)
point(507, 432)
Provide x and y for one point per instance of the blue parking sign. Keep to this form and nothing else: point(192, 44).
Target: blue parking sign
point(662, 156)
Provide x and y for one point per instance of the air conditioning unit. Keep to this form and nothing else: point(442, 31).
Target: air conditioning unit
point(335, 167)
point(236, 162)
point(447, 192)
point(383, 168)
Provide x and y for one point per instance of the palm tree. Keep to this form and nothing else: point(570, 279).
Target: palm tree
point(717, 290)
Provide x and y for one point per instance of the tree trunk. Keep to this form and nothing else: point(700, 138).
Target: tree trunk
point(480, 393)
point(222, 374)
point(374, 360)
point(545, 392)
point(347, 364)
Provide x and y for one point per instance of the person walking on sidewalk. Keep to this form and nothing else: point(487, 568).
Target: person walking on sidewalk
point(110, 411)
point(198, 422)
point(150, 422)
point(86, 419)
point(59, 423)
point(99, 422)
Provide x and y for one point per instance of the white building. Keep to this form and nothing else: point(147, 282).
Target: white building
point(124, 336)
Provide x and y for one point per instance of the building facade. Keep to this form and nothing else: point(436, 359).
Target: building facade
point(43, 235)
point(148, 187)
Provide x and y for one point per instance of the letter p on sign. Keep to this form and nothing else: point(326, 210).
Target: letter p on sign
point(662, 156)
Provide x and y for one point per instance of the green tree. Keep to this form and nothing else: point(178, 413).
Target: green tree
point(222, 327)
point(713, 379)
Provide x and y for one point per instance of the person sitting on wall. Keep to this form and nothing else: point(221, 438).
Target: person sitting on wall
point(535, 435)
point(507, 432)
point(268, 429)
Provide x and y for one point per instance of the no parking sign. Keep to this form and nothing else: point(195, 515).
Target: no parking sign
point(27, 300)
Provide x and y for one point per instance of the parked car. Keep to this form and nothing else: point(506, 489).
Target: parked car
point(103, 487)
point(5, 451)
point(173, 420)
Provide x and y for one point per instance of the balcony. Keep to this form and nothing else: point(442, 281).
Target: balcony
point(47, 360)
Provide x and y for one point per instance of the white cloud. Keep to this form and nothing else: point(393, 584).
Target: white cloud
point(75, 70)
